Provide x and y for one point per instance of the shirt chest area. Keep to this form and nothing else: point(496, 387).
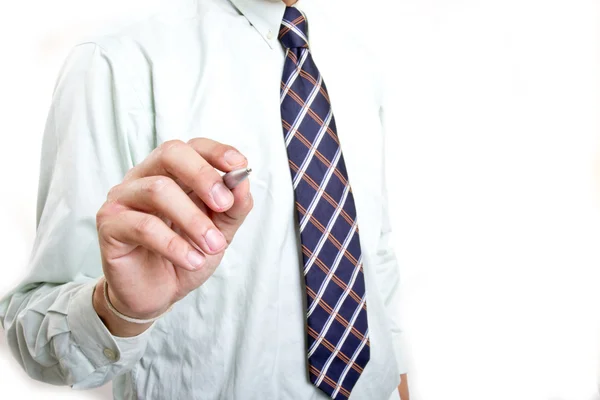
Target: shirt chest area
point(231, 94)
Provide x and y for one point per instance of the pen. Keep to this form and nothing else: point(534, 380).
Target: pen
point(234, 178)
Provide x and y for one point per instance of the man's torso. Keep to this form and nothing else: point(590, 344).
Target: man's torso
point(242, 334)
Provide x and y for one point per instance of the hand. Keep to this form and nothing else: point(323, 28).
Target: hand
point(403, 387)
point(164, 229)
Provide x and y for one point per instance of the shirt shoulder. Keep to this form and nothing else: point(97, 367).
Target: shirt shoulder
point(136, 50)
point(172, 21)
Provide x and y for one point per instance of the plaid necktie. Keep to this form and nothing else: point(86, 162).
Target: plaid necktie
point(338, 334)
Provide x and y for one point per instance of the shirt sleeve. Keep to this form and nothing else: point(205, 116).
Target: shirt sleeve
point(386, 264)
point(49, 320)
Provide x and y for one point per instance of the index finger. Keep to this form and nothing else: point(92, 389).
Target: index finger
point(193, 166)
point(221, 156)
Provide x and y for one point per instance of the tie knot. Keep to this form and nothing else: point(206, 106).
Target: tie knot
point(294, 30)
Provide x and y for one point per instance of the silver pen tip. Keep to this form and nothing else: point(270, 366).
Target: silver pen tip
point(248, 170)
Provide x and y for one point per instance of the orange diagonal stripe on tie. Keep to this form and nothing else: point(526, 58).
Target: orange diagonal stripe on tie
point(337, 316)
point(331, 348)
point(329, 381)
point(312, 80)
point(294, 22)
point(325, 195)
point(330, 237)
point(314, 115)
point(339, 282)
point(321, 157)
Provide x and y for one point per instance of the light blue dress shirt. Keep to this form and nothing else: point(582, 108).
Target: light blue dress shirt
point(210, 70)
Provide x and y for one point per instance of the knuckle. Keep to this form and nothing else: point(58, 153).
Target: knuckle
point(205, 170)
point(102, 218)
point(101, 215)
point(131, 171)
point(104, 232)
point(170, 144)
point(100, 222)
point(169, 148)
point(145, 226)
point(173, 245)
point(157, 186)
point(196, 141)
point(106, 220)
point(107, 210)
point(112, 194)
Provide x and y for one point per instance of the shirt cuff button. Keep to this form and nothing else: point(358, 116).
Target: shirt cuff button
point(110, 354)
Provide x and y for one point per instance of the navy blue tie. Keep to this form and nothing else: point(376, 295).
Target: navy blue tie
point(337, 329)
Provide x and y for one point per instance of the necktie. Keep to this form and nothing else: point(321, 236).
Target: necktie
point(337, 330)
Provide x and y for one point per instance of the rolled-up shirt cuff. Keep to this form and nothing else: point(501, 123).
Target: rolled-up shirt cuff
point(95, 340)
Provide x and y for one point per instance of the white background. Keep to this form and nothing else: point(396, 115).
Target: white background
point(494, 171)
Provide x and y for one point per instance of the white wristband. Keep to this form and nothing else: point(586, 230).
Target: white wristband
point(125, 317)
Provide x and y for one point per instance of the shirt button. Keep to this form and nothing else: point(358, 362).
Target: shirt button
point(270, 35)
point(111, 355)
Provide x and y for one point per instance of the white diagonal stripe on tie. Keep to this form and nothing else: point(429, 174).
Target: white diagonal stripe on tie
point(349, 365)
point(336, 262)
point(313, 204)
point(295, 74)
point(339, 303)
point(313, 148)
point(328, 228)
point(302, 113)
point(340, 343)
point(295, 29)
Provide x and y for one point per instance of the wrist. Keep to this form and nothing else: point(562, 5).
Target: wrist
point(116, 326)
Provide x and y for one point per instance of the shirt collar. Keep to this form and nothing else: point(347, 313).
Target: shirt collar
point(265, 16)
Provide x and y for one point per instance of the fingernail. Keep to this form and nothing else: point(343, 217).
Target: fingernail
point(196, 259)
point(221, 195)
point(215, 240)
point(234, 158)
